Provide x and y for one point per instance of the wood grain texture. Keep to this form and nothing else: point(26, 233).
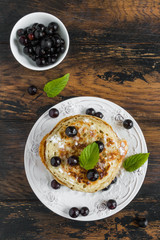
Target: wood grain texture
point(31, 220)
point(84, 67)
point(99, 22)
point(114, 54)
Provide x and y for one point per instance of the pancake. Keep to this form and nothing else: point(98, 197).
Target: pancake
point(89, 130)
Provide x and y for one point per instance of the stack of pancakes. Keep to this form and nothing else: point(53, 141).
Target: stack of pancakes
point(89, 130)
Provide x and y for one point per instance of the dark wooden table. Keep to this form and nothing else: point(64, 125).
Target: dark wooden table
point(114, 54)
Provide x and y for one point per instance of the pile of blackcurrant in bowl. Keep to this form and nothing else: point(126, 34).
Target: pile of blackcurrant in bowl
point(43, 44)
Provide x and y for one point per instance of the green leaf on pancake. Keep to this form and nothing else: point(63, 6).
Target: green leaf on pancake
point(89, 156)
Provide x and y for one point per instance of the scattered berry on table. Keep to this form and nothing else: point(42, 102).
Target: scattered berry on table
point(32, 90)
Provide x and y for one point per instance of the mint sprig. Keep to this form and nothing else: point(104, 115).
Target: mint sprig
point(89, 156)
point(54, 87)
point(134, 162)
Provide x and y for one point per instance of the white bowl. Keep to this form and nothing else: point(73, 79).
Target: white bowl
point(17, 48)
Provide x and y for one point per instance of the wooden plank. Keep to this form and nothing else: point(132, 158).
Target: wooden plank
point(92, 21)
point(31, 220)
point(14, 184)
point(13, 181)
point(112, 42)
point(90, 76)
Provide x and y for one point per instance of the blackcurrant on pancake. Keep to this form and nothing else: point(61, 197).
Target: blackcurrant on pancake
point(59, 151)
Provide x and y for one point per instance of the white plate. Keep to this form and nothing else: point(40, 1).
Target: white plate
point(61, 200)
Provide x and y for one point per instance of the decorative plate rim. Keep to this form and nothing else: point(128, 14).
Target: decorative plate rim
point(133, 194)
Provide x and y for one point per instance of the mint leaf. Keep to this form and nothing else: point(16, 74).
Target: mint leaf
point(134, 162)
point(54, 87)
point(89, 156)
